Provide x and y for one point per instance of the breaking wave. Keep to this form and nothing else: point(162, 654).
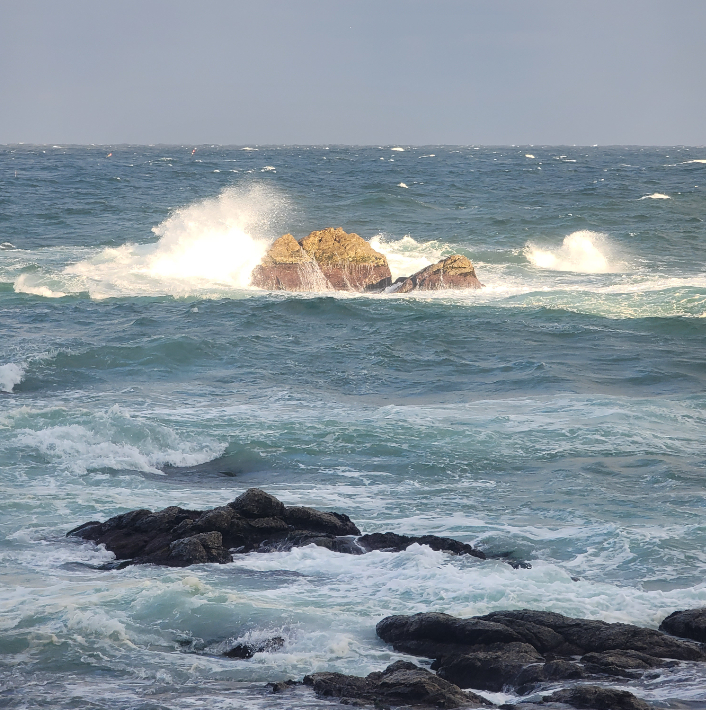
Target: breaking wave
point(406, 256)
point(10, 375)
point(207, 247)
point(584, 252)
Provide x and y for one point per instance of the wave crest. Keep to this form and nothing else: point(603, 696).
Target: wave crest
point(207, 247)
point(584, 252)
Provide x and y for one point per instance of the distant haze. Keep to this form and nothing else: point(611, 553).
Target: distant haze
point(366, 72)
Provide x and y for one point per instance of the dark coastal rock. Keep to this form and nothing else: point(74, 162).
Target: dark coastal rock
point(629, 664)
point(687, 624)
point(596, 697)
point(327, 259)
point(489, 670)
point(401, 683)
point(522, 648)
point(253, 522)
point(194, 550)
point(454, 272)
point(391, 542)
point(247, 650)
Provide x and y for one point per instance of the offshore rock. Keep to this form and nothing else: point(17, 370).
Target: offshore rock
point(522, 648)
point(325, 260)
point(688, 624)
point(454, 272)
point(391, 542)
point(401, 683)
point(595, 697)
point(247, 650)
point(254, 522)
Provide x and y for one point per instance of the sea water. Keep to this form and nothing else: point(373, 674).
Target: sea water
point(556, 416)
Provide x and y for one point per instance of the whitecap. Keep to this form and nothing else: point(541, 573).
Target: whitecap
point(268, 169)
point(205, 248)
point(583, 252)
point(529, 155)
point(398, 149)
point(401, 184)
point(655, 196)
point(10, 375)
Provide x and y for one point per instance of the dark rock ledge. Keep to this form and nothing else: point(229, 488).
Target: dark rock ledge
point(253, 522)
point(521, 651)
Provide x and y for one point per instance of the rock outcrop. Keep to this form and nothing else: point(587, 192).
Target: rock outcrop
point(401, 683)
point(253, 522)
point(325, 260)
point(687, 624)
point(524, 648)
point(454, 272)
point(595, 697)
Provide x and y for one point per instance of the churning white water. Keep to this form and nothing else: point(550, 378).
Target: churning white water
point(585, 252)
point(208, 246)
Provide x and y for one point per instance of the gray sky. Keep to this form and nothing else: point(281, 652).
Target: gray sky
point(355, 72)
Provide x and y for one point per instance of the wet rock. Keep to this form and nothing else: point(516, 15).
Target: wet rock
point(309, 519)
point(454, 272)
point(508, 648)
point(391, 542)
point(254, 522)
point(489, 670)
point(194, 550)
point(255, 503)
point(687, 624)
point(537, 673)
point(629, 664)
point(283, 685)
point(401, 683)
point(328, 259)
point(347, 261)
point(247, 650)
point(597, 698)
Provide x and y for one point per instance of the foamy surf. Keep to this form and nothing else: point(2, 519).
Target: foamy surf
point(655, 196)
point(584, 251)
point(10, 375)
point(208, 247)
point(406, 256)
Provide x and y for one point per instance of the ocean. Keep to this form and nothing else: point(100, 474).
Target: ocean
point(556, 416)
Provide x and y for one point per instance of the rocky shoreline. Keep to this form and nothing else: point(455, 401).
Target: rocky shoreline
point(333, 260)
point(520, 651)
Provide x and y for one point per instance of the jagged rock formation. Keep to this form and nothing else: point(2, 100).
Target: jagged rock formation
point(253, 522)
point(325, 260)
point(524, 648)
point(401, 683)
point(454, 272)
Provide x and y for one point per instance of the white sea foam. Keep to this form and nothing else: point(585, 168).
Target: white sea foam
point(401, 184)
point(584, 252)
point(398, 149)
point(207, 247)
point(406, 256)
point(10, 375)
point(529, 155)
point(655, 196)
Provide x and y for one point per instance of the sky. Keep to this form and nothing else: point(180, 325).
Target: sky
point(234, 72)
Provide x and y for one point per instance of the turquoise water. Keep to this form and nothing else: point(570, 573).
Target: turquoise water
point(557, 415)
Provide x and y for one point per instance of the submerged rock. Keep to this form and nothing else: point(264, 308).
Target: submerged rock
point(454, 272)
point(391, 542)
point(254, 522)
point(522, 648)
point(687, 624)
point(247, 650)
point(325, 260)
point(401, 683)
